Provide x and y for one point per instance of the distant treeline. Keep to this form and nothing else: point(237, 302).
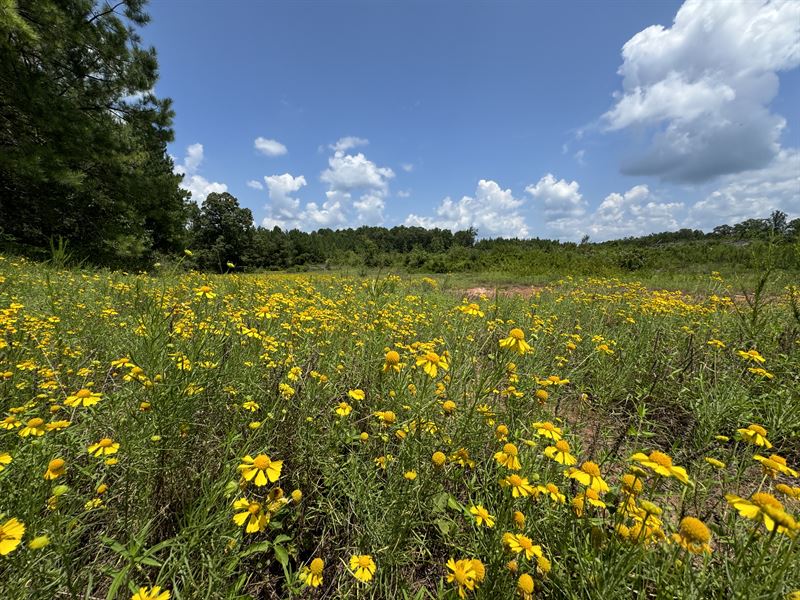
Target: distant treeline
point(220, 233)
point(220, 237)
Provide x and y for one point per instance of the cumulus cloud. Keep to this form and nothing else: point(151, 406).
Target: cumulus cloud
point(193, 182)
point(280, 187)
point(356, 194)
point(632, 213)
point(255, 184)
point(346, 172)
point(348, 143)
point(269, 147)
point(561, 206)
point(754, 194)
point(495, 212)
point(559, 198)
point(701, 89)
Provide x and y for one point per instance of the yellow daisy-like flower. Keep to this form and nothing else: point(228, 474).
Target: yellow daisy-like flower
point(472, 309)
point(551, 491)
point(55, 468)
point(432, 362)
point(463, 575)
point(592, 496)
point(5, 459)
point(363, 567)
point(525, 586)
point(482, 516)
point(520, 486)
point(11, 533)
point(548, 430)
point(508, 457)
point(661, 463)
point(386, 417)
point(57, 425)
point(153, 593)
point(588, 474)
point(357, 394)
point(343, 409)
point(754, 434)
point(520, 543)
point(205, 291)
point(479, 568)
point(104, 447)
point(751, 356)
point(693, 535)
point(631, 484)
point(718, 464)
point(763, 508)
point(261, 469)
point(10, 422)
point(560, 453)
point(516, 342)
point(35, 427)
point(312, 574)
point(83, 397)
point(252, 513)
point(392, 362)
point(775, 464)
point(250, 405)
point(792, 491)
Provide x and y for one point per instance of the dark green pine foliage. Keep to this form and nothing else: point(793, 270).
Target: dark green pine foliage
point(82, 135)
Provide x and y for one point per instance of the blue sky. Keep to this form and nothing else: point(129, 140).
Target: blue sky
point(522, 119)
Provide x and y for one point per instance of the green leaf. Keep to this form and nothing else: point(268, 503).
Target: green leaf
point(282, 555)
point(444, 525)
point(453, 503)
point(255, 549)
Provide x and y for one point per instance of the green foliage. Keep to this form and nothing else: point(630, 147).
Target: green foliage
point(83, 137)
point(222, 232)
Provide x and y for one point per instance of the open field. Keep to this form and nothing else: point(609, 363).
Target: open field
point(331, 436)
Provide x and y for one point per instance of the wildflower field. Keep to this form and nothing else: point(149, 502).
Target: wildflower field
point(326, 436)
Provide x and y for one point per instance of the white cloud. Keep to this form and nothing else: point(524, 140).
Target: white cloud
point(347, 172)
point(348, 143)
point(199, 186)
point(356, 195)
point(560, 199)
point(269, 147)
point(632, 213)
point(403, 193)
point(702, 88)
point(369, 209)
point(255, 184)
point(407, 167)
point(566, 213)
point(493, 211)
point(282, 205)
point(754, 194)
point(194, 156)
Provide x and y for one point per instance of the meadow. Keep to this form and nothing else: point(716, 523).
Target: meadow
point(184, 435)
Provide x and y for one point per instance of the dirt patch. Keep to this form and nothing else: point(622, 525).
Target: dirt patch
point(526, 291)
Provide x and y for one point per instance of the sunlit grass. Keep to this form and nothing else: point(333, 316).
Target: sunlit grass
point(326, 435)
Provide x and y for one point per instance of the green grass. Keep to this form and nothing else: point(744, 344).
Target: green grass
point(166, 517)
